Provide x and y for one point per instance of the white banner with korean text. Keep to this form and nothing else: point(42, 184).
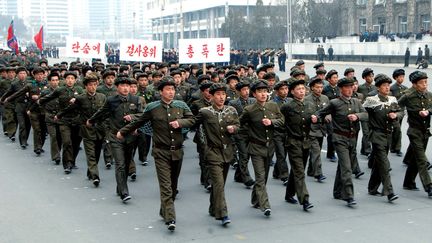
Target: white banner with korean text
point(85, 48)
point(204, 50)
point(140, 50)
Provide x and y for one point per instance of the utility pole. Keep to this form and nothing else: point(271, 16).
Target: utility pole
point(289, 30)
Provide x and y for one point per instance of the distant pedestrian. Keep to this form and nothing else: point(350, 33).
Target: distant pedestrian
point(330, 52)
point(419, 55)
point(427, 53)
point(407, 57)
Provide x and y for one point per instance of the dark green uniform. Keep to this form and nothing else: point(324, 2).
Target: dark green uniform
point(397, 90)
point(144, 140)
point(261, 146)
point(381, 127)
point(344, 140)
point(332, 92)
point(297, 115)
point(93, 137)
point(366, 89)
point(167, 147)
point(69, 124)
point(418, 134)
point(182, 93)
point(201, 146)
point(219, 152)
point(317, 133)
point(37, 115)
point(231, 95)
point(280, 168)
point(114, 109)
point(16, 112)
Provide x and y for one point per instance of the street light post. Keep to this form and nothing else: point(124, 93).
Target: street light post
point(289, 30)
point(133, 14)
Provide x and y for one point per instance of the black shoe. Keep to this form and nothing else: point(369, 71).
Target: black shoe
point(375, 193)
point(429, 166)
point(307, 205)
point(249, 183)
point(226, 220)
point(332, 158)
point(37, 152)
point(57, 161)
point(208, 187)
point(23, 146)
point(12, 139)
point(392, 197)
point(320, 178)
point(267, 212)
point(285, 181)
point(125, 198)
point(108, 166)
point(291, 200)
point(365, 153)
point(411, 188)
point(67, 171)
point(42, 151)
point(357, 175)
point(144, 163)
point(96, 182)
point(5, 133)
point(351, 202)
point(429, 193)
point(133, 176)
point(171, 225)
point(399, 154)
point(235, 165)
point(74, 167)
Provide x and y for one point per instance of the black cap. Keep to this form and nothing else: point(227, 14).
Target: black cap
point(20, 69)
point(345, 82)
point(140, 75)
point(269, 75)
point(314, 81)
point(205, 85)
point(321, 71)
point(234, 76)
point(330, 74)
point(261, 68)
point(175, 72)
point(382, 78)
point(398, 72)
point(108, 73)
point(348, 70)
point(299, 62)
point(280, 84)
point(157, 74)
point(366, 72)
point(318, 65)
point(122, 80)
point(241, 85)
point(217, 87)
point(53, 74)
point(297, 72)
point(90, 78)
point(166, 81)
point(67, 73)
point(260, 84)
point(416, 76)
point(295, 83)
point(203, 77)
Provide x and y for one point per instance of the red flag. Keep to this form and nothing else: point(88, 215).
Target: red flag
point(38, 38)
point(12, 41)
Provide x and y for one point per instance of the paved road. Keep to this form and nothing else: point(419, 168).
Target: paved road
point(39, 203)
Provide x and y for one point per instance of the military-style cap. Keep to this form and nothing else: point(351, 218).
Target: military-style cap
point(157, 74)
point(43, 61)
point(53, 74)
point(90, 78)
point(297, 72)
point(314, 81)
point(217, 87)
point(194, 66)
point(261, 68)
point(260, 84)
point(366, 72)
point(269, 75)
point(166, 81)
point(20, 69)
point(36, 70)
point(345, 82)
point(230, 72)
point(318, 65)
point(321, 71)
point(280, 84)
point(203, 77)
point(299, 63)
point(141, 75)
point(10, 68)
point(2, 68)
point(133, 81)
point(330, 74)
point(108, 73)
point(398, 72)
point(416, 76)
point(348, 70)
point(205, 85)
point(382, 78)
point(210, 65)
point(163, 65)
point(241, 85)
point(230, 77)
point(67, 73)
point(296, 83)
point(122, 80)
point(175, 72)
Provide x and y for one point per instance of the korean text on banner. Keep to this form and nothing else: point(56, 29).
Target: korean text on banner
point(140, 50)
point(204, 50)
point(85, 48)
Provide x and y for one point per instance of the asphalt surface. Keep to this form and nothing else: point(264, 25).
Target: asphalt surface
point(39, 203)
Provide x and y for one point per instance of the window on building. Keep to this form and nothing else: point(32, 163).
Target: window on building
point(400, 1)
point(379, 2)
point(402, 24)
point(382, 25)
point(361, 2)
point(362, 25)
point(425, 22)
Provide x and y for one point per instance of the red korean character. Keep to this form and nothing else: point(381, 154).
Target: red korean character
point(190, 52)
point(153, 51)
point(220, 49)
point(145, 51)
point(138, 50)
point(130, 50)
point(205, 50)
point(86, 48)
point(76, 47)
point(97, 47)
